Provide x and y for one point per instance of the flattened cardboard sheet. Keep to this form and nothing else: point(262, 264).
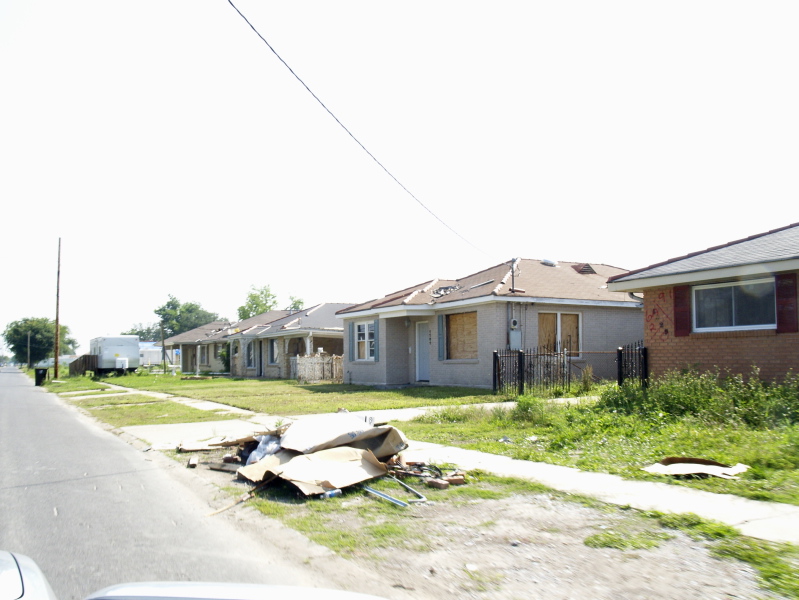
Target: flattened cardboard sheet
point(684, 465)
point(320, 432)
point(320, 471)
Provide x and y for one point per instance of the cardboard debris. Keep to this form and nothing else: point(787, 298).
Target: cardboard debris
point(683, 465)
point(320, 471)
point(320, 432)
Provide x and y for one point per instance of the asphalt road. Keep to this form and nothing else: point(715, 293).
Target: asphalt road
point(93, 510)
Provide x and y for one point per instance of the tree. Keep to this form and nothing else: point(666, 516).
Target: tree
point(178, 317)
point(42, 339)
point(259, 301)
point(296, 303)
point(151, 332)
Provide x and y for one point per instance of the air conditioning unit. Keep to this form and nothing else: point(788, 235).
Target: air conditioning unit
point(514, 323)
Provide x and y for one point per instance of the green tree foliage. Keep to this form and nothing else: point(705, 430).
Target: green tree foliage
point(296, 303)
point(259, 301)
point(180, 317)
point(42, 339)
point(150, 332)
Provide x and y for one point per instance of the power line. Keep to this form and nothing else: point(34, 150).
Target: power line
point(357, 141)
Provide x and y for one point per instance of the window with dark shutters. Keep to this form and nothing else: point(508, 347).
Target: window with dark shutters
point(787, 317)
point(682, 310)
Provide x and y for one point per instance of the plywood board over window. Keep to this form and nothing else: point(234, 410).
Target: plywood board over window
point(548, 330)
point(559, 331)
point(462, 336)
point(570, 333)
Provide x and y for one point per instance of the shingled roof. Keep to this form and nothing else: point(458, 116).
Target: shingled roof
point(520, 278)
point(770, 247)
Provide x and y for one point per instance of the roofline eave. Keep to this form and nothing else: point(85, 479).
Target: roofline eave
point(427, 310)
point(703, 276)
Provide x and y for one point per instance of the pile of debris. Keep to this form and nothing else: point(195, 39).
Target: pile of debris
point(322, 454)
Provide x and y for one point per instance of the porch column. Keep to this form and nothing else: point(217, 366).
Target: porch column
point(309, 344)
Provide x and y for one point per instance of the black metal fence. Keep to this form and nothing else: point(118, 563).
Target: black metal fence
point(631, 363)
point(538, 370)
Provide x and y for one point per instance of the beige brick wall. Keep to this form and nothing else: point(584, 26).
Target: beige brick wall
point(775, 354)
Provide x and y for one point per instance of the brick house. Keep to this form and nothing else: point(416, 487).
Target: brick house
point(266, 349)
point(444, 332)
point(731, 307)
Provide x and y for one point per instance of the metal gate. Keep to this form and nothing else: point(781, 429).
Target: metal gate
point(538, 370)
point(632, 363)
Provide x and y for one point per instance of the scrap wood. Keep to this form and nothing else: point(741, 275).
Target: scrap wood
point(223, 466)
point(684, 465)
point(244, 497)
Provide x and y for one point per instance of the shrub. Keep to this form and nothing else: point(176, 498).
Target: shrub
point(715, 398)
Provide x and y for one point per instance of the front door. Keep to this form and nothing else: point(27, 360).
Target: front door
point(422, 351)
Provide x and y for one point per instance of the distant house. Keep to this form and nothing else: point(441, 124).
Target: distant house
point(185, 346)
point(732, 306)
point(444, 332)
point(199, 349)
point(266, 350)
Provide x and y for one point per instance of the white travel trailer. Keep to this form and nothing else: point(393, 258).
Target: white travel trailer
point(119, 353)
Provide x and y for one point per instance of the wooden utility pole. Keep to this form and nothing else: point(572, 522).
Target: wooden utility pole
point(57, 322)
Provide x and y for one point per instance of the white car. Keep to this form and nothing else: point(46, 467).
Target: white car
point(21, 579)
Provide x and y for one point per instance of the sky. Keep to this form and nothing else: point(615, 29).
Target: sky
point(173, 153)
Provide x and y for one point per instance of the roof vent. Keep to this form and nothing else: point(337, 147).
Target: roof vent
point(549, 263)
point(584, 269)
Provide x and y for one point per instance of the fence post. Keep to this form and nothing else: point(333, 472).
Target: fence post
point(494, 372)
point(644, 366)
point(520, 373)
point(620, 365)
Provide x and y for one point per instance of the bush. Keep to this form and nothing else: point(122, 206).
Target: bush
point(715, 398)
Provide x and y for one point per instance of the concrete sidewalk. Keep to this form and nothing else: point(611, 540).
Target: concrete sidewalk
point(765, 520)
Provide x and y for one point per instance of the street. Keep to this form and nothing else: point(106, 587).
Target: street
point(92, 510)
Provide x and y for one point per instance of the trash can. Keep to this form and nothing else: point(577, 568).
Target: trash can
point(41, 375)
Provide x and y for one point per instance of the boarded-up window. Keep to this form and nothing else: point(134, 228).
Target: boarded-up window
point(570, 333)
point(559, 331)
point(547, 330)
point(462, 336)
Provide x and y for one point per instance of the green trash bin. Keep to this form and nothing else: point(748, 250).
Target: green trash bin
point(41, 376)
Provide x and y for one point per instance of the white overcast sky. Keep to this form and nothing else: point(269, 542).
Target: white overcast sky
point(172, 152)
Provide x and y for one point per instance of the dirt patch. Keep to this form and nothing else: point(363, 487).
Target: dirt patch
point(534, 546)
point(525, 545)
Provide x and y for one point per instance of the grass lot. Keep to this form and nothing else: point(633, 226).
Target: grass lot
point(142, 410)
point(591, 440)
point(286, 397)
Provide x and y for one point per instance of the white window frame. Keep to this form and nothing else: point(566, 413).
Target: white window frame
point(761, 326)
point(204, 354)
point(273, 351)
point(249, 355)
point(368, 326)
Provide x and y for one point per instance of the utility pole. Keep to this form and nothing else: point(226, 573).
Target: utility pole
point(57, 302)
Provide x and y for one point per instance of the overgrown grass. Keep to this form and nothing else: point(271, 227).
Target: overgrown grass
point(287, 397)
point(595, 438)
